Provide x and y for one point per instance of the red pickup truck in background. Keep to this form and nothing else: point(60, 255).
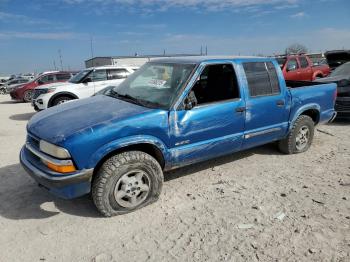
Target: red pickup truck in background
point(301, 68)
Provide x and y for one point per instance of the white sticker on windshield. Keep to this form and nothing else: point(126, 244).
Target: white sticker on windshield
point(157, 83)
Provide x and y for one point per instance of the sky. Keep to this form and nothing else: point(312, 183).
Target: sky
point(33, 33)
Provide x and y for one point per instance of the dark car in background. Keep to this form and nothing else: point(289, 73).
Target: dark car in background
point(341, 76)
point(336, 58)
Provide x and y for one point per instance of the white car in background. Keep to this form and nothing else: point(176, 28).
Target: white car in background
point(84, 84)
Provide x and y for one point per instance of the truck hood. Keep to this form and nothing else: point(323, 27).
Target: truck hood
point(58, 123)
point(331, 79)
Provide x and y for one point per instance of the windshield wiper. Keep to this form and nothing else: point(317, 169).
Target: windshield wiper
point(135, 100)
point(127, 97)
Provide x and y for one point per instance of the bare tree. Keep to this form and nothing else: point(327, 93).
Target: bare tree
point(296, 49)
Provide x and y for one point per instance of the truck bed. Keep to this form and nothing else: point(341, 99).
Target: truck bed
point(306, 94)
point(296, 84)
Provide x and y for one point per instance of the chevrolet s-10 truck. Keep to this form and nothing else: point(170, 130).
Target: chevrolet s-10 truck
point(168, 114)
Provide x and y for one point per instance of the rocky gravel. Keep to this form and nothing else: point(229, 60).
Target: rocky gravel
point(256, 205)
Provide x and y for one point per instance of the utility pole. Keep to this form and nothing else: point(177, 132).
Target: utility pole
point(60, 55)
point(206, 50)
point(54, 65)
point(201, 50)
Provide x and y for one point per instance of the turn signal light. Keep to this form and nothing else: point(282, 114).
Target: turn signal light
point(61, 169)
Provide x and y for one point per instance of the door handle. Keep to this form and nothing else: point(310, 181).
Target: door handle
point(240, 109)
point(280, 103)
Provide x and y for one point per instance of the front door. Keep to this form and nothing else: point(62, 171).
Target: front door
point(292, 70)
point(215, 125)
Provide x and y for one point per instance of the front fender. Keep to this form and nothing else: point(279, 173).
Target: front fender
point(128, 141)
point(301, 110)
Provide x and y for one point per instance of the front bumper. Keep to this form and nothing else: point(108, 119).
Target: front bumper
point(66, 186)
point(342, 106)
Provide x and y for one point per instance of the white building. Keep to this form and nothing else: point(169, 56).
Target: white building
point(127, 60)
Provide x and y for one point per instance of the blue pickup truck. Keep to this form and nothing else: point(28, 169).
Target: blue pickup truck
point(168, 114)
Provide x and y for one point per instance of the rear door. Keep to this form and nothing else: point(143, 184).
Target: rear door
point(266, 104)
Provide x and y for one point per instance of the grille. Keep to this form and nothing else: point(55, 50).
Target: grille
point(342, 106)
point(33, 141)
point(38, 92)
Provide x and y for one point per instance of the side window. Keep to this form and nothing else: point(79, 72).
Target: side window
point(63, 77)
point(262, 78)
point(216, 83)
point(47, 78)
point(117, 74)
point(292, 64)
point(99, 75)
point(303, 62)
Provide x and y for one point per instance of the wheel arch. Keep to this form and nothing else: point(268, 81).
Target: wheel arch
point(147, 144)
point(61, 94)
point(316, 74)
point(313, 111)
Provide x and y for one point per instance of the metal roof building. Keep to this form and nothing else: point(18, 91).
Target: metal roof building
point(128, 60)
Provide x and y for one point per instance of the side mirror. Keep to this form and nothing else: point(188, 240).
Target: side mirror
point(190, 101)
point(40, 82)
point(87, 80)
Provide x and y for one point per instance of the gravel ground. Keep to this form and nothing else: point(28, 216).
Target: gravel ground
point(257, 205)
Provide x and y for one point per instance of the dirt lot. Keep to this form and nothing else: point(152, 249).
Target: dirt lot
point(257, 205)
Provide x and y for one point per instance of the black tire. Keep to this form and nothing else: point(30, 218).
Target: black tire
point(60, 100)
point(27, 96)
point(2, 91)
point(290, 144)
point(107, 180)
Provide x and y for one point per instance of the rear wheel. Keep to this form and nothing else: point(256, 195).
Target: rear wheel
point(60, 100)
point(27, 96)
point(126, 182)
point(300, 137)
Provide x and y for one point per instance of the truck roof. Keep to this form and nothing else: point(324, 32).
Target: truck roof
point(201, 59)
point(111, 67)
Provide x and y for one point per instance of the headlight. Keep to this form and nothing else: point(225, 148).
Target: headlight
point(53, 150)
point(343, 83)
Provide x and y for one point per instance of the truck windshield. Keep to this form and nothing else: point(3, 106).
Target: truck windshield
point(154, 84)
point(80, 76)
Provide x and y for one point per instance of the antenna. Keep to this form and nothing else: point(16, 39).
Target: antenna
point(92, 51)
point(60, 55)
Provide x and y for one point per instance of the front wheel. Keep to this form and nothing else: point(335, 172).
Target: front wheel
point(27, 96)
point(300, 137)
point(126, 182)
point(60, 100)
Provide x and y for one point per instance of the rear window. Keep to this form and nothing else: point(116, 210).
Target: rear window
point(262, 78)
point(63, 77)
point(117, 74)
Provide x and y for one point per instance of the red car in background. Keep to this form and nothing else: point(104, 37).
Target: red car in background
point(301, 68)
point(24, 92)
